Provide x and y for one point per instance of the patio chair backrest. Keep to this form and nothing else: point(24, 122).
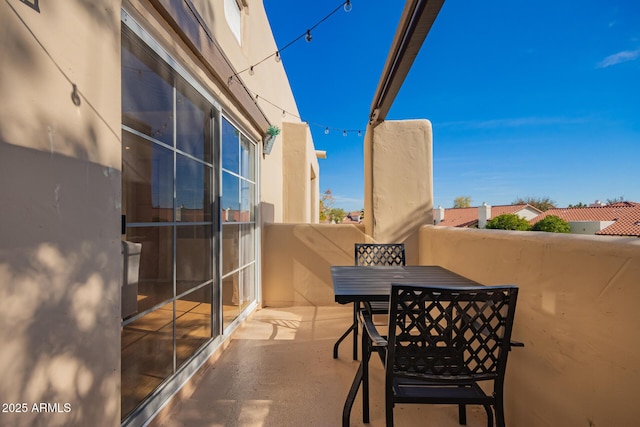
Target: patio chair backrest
point(379, 254)
point(450, 334)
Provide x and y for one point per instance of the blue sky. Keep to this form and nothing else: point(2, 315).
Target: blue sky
point(526, 99)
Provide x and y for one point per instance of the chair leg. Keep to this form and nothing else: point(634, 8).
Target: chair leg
point(487, 408)
point(366, 357)
point(462, 415)
point(499, 408)
point(388, 406)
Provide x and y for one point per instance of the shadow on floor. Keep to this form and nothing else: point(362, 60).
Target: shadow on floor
point(278, 371)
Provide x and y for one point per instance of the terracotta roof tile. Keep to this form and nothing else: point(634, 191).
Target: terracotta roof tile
point(468, 217)
point(625, 214)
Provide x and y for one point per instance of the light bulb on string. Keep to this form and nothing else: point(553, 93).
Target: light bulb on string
point(348, 6)
point(278, 56)
point(359, 133)
point(344, 133)
point(230, 80)
point(326, 131)
point(284, 113)
point(251, 72)
point(308, 37)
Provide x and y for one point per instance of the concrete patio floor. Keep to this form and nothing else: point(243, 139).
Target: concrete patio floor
point(278, 371)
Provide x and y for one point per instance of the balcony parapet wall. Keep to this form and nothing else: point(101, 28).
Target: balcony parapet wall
point(577, 315)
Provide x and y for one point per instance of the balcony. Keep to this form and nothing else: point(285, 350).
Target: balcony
point(576, 316)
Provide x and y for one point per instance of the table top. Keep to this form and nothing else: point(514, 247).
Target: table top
point(373, 283)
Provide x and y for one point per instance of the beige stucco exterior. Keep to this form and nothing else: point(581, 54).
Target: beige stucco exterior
point(576, 315)
point(60, 245)
point(398, 171)
point(60, 168)
point(297, 259)
point(301, 175)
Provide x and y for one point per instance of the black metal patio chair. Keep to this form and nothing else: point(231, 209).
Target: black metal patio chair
point(369, 254)
point(443, 342)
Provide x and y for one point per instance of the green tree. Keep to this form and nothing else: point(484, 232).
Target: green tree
point(542, 203)
point(552, 224)
point(326, 204)
point(508, 222)
point(462, 202)
point(336, 215)
point(578, 205)
point(615, 200)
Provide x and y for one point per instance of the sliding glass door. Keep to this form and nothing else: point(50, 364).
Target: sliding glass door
point(170, 221)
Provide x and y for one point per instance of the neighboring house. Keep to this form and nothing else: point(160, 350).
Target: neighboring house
point(353, 218)
point(477, 217)
point(617, 219)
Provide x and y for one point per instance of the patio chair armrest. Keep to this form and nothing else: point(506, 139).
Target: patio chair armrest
point(377, 340)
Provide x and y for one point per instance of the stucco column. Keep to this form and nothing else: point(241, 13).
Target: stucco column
point(300, 186)
point(398, 182)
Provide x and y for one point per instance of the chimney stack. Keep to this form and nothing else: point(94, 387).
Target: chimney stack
point(484, 214)
point(439, 215)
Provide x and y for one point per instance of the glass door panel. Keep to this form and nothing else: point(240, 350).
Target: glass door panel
point(170, 242)
point(147, 180)
point(193, 322)
point(194, 256)
point(147, 355)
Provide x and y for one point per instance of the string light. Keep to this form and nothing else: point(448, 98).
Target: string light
point(251, 72)
point(327, 129)
point(307, 35)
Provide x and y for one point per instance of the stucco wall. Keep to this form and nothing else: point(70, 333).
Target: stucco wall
point(296, 261)
point(398, 182)
point(300, 170)
point(577, 315)
point(60, 239)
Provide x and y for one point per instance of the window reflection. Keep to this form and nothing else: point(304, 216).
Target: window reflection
point(193, 190)
point(248, 151)
point(147, 355)
point(193, 322)
point(155, 273)
point(230, 198)
point(230, 247)
point(230, 298)
point(247, 201)
point(194, 256)
point(193, 122)
point(147, 180)
point(230, 150)
point(147, 92)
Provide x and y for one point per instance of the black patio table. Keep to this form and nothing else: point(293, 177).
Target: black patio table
point(373, 283)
